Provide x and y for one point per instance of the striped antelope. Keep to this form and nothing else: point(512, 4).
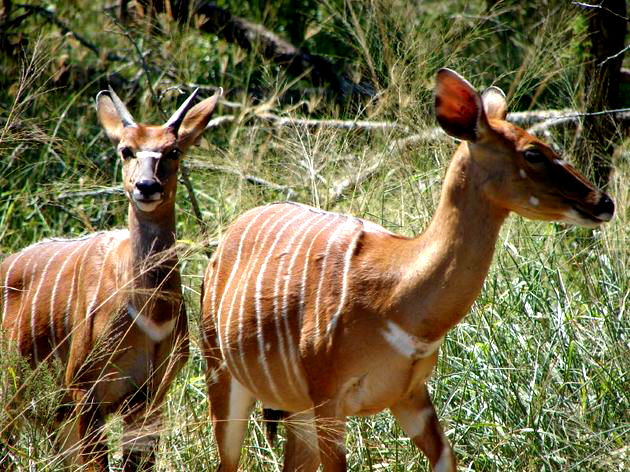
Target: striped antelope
point(109, 305)
point(323, 315)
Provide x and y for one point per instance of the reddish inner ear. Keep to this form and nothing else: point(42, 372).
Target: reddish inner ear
point(457, 107)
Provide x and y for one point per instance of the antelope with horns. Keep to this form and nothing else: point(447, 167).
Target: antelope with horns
point(109, 305)
point(323, 315)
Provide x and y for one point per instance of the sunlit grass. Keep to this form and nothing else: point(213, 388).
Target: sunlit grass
point(534, 379)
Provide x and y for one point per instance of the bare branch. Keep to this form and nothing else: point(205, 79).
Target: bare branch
point(251, 36)
point(588, 6)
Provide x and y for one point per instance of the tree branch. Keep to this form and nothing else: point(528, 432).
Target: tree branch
point(251, 36)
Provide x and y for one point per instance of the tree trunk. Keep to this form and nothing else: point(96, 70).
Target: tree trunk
point(596, 144)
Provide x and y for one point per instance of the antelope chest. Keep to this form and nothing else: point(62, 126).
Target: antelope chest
point(379, 374)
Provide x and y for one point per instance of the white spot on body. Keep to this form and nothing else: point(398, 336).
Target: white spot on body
point(533, 201)
point(156, 332)
point(522, 173)
point(406, 344)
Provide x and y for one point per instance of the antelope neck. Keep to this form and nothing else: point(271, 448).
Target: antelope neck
point(156, 280)
point(450, 260)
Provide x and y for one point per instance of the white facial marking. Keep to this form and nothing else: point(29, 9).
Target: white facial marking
point(522, 173)
point(147, 206)
point(154, 331)
point(605, 216)
point(533, 201)
point(148, 154)
point(408, 345)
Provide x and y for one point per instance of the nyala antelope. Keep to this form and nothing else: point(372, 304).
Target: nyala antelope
point(109, 305)
point(323, 315)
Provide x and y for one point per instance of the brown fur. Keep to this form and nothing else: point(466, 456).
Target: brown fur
point(71, 299)
point(306, 339)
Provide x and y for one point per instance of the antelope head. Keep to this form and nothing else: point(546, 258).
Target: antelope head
point(151, 154)
point(523, 174)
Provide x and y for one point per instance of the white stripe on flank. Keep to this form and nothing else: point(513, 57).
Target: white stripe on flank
point(78, 270)
point(283, 314)
point(322, 276)
point(305, 271)
point(25, 293)
point(154, 331)
point(347, 259)
point(53, 297)
point(5, 308)
point(92, 306)
point(224, 345)
point(243, 284)
point(407, 344)
point(258, 296)
point(42, 278)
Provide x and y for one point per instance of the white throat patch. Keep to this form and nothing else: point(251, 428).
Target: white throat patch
point(154, 331)
point(407, 344)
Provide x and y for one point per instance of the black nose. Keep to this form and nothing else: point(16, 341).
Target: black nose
point(605, 206)
point(148, 187)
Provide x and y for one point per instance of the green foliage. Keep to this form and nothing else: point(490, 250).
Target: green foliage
point(534, 379)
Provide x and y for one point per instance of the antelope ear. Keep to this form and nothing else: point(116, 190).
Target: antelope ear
point(108, 117)
point(196, 120)
point(494, 103)
point(458, 106)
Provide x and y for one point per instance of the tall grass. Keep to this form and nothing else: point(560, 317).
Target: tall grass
point(534, 379)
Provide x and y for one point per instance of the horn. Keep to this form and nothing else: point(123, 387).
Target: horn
point(123, 113)
point(175, 121)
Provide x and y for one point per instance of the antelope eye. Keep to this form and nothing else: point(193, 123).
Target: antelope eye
point(534, 156)
point(173, 154)
point(127, 153)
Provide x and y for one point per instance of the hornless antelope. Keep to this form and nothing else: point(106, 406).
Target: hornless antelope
point(109, 305)
point(325, 315)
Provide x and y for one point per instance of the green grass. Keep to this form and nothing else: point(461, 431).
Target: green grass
point(535, 378)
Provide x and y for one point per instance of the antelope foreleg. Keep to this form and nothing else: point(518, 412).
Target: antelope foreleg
point(230, 406)
point(301, 452)
point(331, 434)
point(417, 417)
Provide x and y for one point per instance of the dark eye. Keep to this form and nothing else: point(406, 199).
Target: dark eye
point(173, 154)
point(127, 153)
point(534, 156)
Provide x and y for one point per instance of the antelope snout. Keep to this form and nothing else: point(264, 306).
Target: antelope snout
point(605, 208)
point(147, 194)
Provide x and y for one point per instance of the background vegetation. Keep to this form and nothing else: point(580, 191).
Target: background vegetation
point(534, 379)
